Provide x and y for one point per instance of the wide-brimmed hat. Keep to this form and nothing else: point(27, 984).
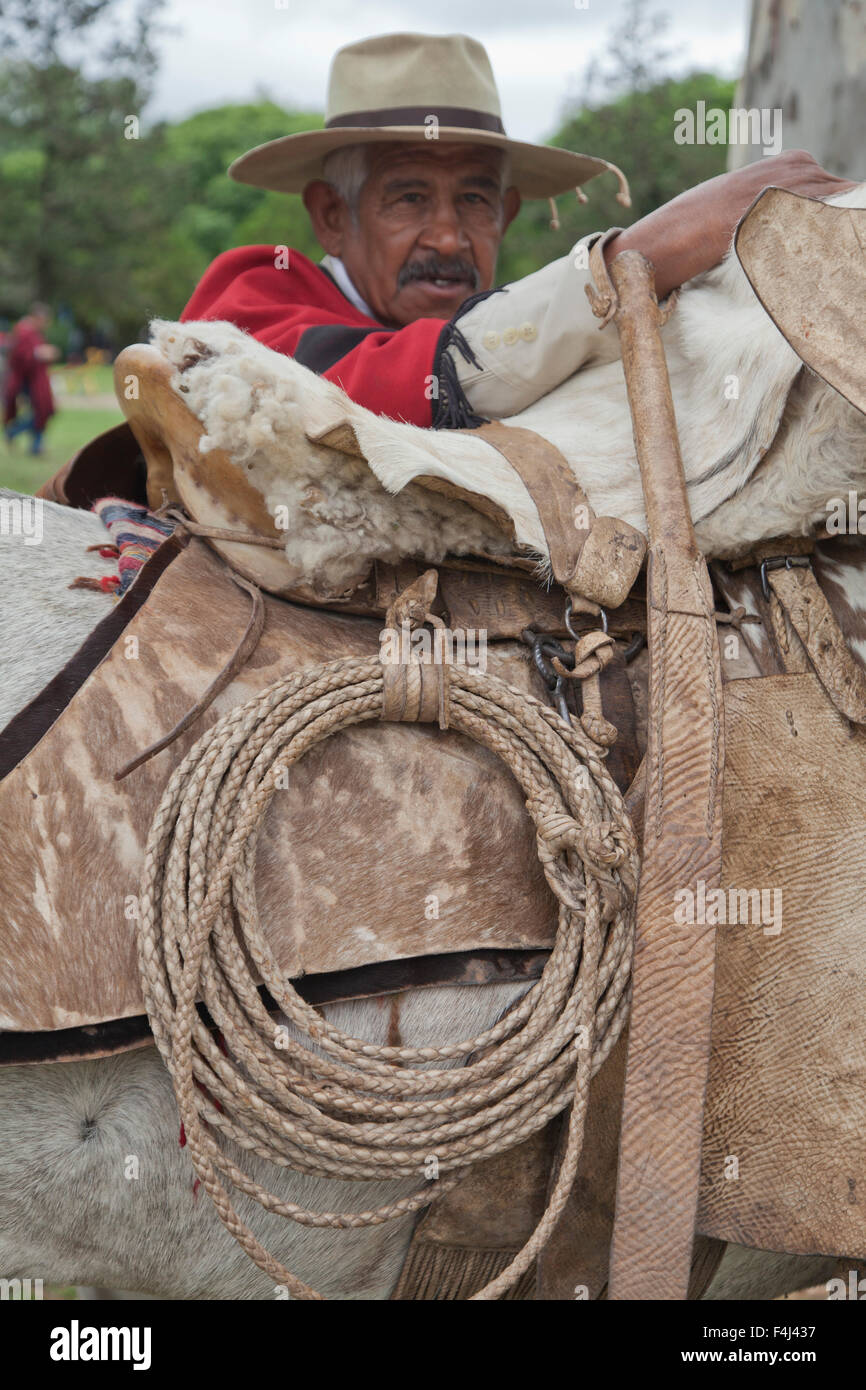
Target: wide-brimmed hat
point(405, 87)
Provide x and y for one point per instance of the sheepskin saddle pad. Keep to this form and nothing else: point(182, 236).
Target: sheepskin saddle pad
point(247, 439)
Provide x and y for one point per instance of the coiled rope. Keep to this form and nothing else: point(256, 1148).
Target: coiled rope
point(322, 1102)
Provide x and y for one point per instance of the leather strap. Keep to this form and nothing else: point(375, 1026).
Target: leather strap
point(741, 557)
point(562, 504)
point(669, 1032)
point(501, 601)
point(814, 622)
point(452, 968)
point(598, 558)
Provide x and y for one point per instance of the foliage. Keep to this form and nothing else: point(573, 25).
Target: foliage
point(635, 132)
point(71, 209)
point(205, 212)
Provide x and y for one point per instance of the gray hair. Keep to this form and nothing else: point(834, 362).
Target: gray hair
point(346, 170)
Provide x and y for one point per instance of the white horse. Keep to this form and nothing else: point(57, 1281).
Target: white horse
point(69, 1212)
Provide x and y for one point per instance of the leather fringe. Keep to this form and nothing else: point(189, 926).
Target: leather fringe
point(442, 1273)
point(453, 411)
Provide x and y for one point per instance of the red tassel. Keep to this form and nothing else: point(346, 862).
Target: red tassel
point(106, 585)
point(182, 1136)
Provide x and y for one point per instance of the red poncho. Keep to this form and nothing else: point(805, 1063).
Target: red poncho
point(27, 375)
point(301, 312)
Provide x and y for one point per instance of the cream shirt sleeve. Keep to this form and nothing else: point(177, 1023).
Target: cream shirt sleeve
point(530, 336)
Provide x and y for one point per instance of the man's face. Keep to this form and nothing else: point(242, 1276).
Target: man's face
point(430, 220)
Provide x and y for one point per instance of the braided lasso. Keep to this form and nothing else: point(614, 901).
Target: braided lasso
point(324, 1103)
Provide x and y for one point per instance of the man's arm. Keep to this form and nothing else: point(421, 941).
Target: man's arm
point(693, 232)
point(540, 330)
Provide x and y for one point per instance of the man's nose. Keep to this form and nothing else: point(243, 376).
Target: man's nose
point(444, 231)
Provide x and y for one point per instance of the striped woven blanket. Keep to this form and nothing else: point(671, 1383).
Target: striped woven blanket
point(135, 534)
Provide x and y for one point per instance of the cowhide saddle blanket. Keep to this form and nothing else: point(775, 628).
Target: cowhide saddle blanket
point(382, 822)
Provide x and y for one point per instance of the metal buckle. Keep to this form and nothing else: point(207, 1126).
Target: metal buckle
point(775, 562)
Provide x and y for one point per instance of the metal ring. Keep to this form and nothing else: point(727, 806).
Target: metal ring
point(569, 609)
point(634, 646)
point(559, 697)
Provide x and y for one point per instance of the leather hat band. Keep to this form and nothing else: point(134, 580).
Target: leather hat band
point(420, 116)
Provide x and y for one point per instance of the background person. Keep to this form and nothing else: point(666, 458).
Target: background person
point(27, 361)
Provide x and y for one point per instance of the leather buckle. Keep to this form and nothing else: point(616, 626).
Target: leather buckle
point(775, 562)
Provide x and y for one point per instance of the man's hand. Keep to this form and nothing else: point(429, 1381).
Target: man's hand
point(693, 232)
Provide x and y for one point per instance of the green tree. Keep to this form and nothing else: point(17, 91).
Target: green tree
point(214, 211)
point(77, 193)
point(203, 212)
point(625, 115)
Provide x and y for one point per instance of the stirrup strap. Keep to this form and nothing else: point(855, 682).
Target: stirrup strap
point(669, 1032)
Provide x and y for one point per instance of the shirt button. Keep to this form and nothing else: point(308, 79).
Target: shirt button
point(491, 340)
point(510, 336)
point(528, 331)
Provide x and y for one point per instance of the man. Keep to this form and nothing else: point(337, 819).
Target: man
point(410, 188)
point(410, 202)
point(27, 375)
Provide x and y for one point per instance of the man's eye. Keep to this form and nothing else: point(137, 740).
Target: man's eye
point(411, 197)
point(475, 197)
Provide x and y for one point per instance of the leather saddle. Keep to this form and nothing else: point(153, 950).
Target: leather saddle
point(786, 1038)
point(806, 261)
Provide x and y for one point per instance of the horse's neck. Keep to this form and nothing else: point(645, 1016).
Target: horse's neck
point(44, 622)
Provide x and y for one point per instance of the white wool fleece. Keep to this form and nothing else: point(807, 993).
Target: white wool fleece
point(261, 407)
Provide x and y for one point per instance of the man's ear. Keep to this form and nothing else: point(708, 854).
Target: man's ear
point(328, 214)
point(510, 207)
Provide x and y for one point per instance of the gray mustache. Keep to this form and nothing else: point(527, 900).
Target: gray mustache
point(435, 268)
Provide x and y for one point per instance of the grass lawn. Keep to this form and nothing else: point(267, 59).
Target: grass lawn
point(86, 380)
point(66, 433)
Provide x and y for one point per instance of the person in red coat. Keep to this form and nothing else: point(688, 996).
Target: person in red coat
point(27, 375)
point(410, 188)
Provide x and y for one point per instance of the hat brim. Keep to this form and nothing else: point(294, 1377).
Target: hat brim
point(288, 164)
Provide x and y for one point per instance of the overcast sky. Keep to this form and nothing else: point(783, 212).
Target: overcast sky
point(227, 50)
